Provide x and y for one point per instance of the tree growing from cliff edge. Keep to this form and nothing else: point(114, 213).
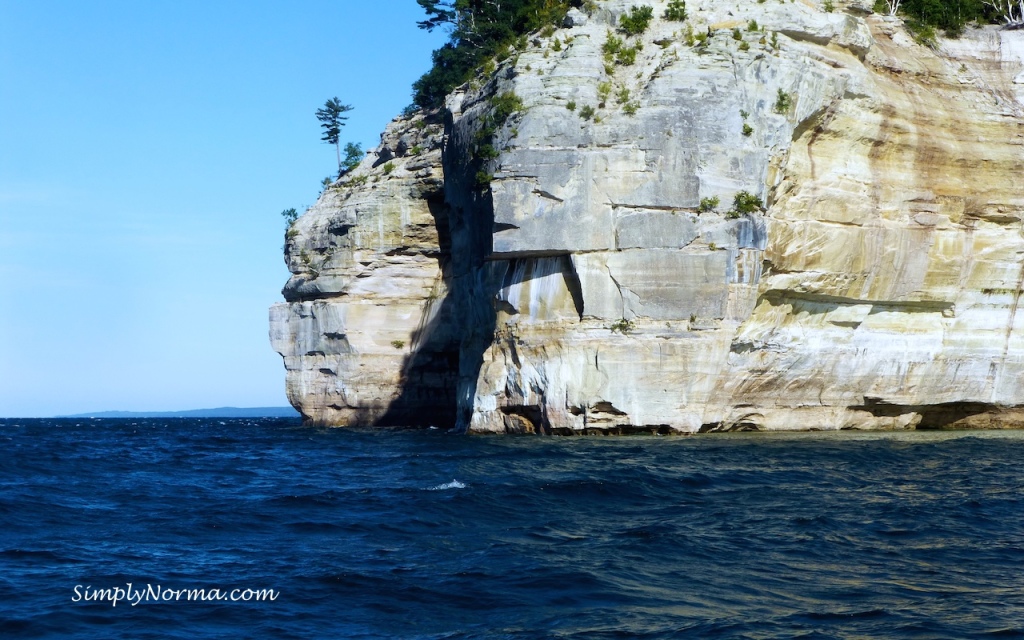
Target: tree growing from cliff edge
point(331, 121)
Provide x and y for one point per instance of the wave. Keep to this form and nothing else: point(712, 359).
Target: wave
point(454, 484)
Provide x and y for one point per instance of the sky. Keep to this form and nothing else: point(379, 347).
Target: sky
point(147, 150)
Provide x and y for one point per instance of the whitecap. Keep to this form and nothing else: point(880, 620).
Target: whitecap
point(454, 484)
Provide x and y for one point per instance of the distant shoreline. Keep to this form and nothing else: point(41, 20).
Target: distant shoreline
point(219, 412)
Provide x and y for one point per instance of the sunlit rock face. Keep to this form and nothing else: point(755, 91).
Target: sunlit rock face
point(572, 283)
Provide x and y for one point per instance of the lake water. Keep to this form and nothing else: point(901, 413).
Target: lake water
point(420, 534)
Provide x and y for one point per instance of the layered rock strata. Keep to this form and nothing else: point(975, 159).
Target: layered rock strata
point(569, 281)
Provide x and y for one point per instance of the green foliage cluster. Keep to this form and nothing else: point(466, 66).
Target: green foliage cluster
point(615, 50)
point(923, 32)
point(623, 326)
point(676, 11)
point(331, 120)
point(688, 36)
point(949, 15)
point(636, 20)
point(626, 57)
point(783, 101)
point(487, 152)
point(744, 202)
point(707, 205)
point(353, 156)
point(290, 216)
point(612, 45)
point(503, 106)
point(479, 31)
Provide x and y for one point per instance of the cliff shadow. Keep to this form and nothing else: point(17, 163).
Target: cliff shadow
point(427, 387)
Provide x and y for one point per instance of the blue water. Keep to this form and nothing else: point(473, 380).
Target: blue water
point(412, 534)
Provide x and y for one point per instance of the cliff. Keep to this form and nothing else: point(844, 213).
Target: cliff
point(569, 281)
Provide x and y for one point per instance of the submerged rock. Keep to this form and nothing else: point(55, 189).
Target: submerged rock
point(570, 281)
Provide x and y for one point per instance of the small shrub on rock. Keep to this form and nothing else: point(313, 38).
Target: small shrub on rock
point(708, 205)
point(783, 101)
point(626, 57)
point(623, 326)
point(745, 202)
point(676, 11)
point(636, 20)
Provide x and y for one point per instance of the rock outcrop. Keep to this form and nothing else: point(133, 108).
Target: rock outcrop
point(537, 257)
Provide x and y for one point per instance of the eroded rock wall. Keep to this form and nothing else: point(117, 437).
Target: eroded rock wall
point(582, 289)
point(365, 331)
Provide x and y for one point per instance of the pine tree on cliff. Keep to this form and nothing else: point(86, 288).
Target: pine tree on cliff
point(332, 121)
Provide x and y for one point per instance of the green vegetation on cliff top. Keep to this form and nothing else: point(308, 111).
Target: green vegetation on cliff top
point(951, 16)
point(484, 29)
point(480, 29)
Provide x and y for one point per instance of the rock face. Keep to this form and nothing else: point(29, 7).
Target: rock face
point(570, 282)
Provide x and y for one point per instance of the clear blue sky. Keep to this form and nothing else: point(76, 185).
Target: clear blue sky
point(146, 152)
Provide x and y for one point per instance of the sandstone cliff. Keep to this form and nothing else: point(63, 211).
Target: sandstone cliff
point(571, 283)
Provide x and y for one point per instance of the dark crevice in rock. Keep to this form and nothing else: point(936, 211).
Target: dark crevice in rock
point(949, 415)
point(805, 36)
point(817, 303)
point(525, 419)
point(607, 407)
point(545, 194)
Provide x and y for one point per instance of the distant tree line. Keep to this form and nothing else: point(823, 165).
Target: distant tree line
point(478, 30)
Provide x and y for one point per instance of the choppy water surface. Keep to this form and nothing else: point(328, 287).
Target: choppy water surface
point(423, 535)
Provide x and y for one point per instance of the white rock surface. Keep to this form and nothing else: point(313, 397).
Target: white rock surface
point(583, 291)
